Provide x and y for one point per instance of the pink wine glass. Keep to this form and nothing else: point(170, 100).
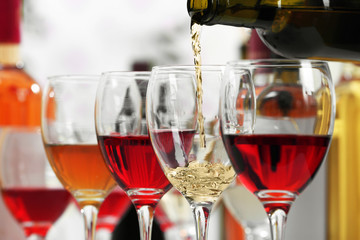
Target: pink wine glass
point(295, 111)
point(125, 143)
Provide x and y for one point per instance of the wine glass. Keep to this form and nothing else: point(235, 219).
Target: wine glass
point(175, 217)
point(249, 212)
point(29, 187)
point(69, 136)
point(115, 205)
point(295, 110)
point(186, 136)
point(125, 143)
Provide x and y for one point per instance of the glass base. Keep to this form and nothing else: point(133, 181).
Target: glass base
point(276, 199)
point(145, 196)
point(87, 197)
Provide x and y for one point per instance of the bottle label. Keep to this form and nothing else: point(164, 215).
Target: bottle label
point(10, 12)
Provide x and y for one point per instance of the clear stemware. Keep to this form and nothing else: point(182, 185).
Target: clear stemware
point(200, 171)
point(29, 187)
point(69, 136)
point(295, 110)
point(125, 143)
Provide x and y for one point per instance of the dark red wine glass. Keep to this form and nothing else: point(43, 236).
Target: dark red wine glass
point(29, 187)
point(294, 121)
point(125, 142)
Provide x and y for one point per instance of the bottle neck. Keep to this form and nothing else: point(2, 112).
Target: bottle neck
point(9, 54)
point(10, 18)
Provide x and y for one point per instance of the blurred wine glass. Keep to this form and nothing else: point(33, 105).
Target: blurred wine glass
point(29, 187)
point(248, 211)
point(115, 205)
point(175, 217)
point(69, 136)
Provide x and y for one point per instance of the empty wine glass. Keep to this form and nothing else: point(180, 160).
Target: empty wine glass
point(29, 187)
point(69, 136)
point(295, 110)
point(125, 142)
point(191, 154)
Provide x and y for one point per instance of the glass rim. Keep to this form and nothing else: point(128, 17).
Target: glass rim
point(68, 77)
point(126, 73)
point(277, 62)
point(205, 67)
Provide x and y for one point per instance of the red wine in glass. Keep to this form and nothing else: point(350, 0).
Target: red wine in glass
point(268, 163)
point(36, 209)
point(133, 163)
point(112, 209)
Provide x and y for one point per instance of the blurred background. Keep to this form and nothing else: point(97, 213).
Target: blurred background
point(89, 37)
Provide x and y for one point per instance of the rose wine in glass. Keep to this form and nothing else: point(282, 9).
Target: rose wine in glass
point(69, 137)
point(29, 187)
point(36, 205)
point(274, 159)
point(193, 157)
point(70, 161)
point(125, 143)
point(295, 114)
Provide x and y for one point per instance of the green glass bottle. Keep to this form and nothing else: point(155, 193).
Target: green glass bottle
point(319, 29)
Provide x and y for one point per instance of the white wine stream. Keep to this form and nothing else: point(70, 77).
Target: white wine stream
point(195, 40)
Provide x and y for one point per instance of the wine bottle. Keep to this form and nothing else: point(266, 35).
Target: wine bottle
point(20, 94)
point(291, 28)
point(343, 160)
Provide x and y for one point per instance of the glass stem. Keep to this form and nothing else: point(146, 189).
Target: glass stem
point(202, 217)
point(145, 216)
point(277, 219)
point(90, 213)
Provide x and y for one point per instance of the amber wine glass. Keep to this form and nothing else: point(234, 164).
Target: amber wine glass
point(183, 121)
point(295, 111)
point(125, 143)
point(29, 187)
point(69, 136)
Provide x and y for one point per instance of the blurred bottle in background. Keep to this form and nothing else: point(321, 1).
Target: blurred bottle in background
point(20, 95)
point(128, 228)
point(343, 176)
